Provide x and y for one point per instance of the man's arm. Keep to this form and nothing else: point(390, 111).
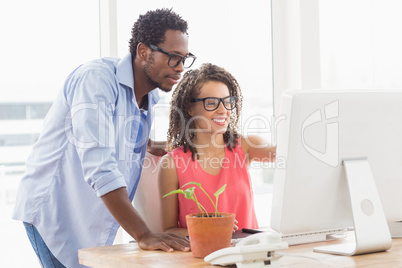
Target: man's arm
point(120, 207)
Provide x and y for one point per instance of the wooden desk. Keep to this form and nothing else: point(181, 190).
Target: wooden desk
point(130, 255)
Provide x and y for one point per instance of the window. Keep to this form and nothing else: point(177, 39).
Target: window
point(43, 41)
point(360, 44)
point(18, 140)
point(12, 111)
point(38, 110)
point(23, 111)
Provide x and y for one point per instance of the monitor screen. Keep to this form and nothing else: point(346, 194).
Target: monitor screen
point(317, 131)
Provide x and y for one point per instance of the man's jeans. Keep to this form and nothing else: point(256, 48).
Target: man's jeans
point(45, 257)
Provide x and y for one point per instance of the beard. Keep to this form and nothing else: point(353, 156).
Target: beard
point(150, 73)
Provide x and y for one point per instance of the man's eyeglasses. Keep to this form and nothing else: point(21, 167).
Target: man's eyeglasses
point(212, 103)
point(175, 59)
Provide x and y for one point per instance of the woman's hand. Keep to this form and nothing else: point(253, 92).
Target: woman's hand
point(235, 228)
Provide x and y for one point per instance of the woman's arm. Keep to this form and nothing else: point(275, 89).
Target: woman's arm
point(167, 182)
point(256, 149)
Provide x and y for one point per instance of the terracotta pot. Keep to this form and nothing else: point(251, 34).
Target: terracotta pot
point(208, 234)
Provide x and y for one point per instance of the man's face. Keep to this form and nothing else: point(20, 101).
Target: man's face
point(159, 73)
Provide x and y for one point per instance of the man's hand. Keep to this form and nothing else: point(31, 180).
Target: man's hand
point(120, 207)
point(168, 242)
point(157, 148)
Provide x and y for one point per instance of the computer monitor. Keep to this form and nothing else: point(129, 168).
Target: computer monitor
point(339, 165)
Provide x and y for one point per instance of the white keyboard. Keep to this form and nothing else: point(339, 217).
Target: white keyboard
point(310, 237)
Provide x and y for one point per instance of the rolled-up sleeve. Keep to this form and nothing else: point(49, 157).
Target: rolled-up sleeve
point(109, 182)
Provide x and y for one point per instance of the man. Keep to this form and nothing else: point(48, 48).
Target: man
point(84, 169)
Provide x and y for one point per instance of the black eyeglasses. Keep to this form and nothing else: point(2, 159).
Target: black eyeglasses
point(212, 103)
point(175, 59)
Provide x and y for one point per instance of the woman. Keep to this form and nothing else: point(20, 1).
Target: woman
point(205, 146)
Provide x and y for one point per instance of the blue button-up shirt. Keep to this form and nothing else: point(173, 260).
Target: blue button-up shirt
point(93, 141)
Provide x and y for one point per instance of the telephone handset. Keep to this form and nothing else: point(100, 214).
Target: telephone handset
point(257, 250)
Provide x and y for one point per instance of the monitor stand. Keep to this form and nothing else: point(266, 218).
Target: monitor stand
point(396, 229)
point(370, 226)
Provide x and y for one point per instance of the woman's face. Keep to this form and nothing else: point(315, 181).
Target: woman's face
point(213, 122)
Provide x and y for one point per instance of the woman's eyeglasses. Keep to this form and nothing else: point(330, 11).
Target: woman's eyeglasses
point(212, 103)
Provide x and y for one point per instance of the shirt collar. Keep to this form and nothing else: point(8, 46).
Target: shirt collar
point(124, 71)
point(153, 96)
point(125, 75)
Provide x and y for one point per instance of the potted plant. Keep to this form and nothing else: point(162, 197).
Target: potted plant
point(208, 231)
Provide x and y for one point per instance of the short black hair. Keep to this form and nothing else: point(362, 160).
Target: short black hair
point(151, 27)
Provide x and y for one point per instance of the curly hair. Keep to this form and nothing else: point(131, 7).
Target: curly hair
point(189, 87)
point(151, 27)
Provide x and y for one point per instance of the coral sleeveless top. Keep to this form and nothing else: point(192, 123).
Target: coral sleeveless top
point(237, 197)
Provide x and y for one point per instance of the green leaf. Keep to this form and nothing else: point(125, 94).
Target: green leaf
point(217, 193)
point(195, 183)
point(178, 191)
point(189, 192)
